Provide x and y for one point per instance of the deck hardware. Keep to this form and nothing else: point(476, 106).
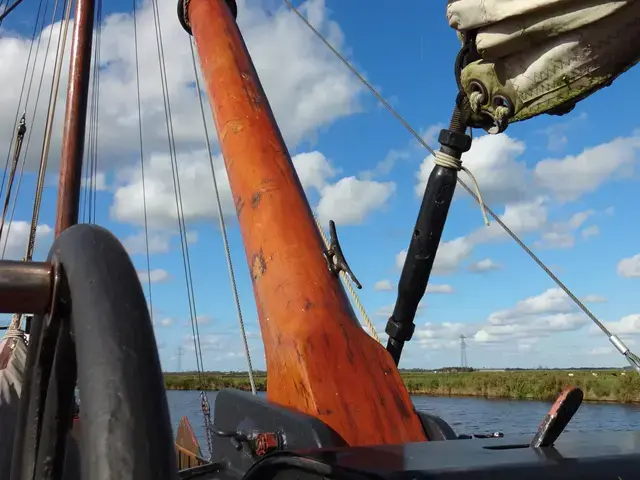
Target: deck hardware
point(559, 416)
point(335, 258)
point(25, 287)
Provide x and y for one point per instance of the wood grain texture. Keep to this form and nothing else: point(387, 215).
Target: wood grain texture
point(188, 451)
point(73, 136)
point(319, 359)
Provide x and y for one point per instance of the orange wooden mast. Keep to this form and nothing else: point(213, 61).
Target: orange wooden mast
point(319, 360)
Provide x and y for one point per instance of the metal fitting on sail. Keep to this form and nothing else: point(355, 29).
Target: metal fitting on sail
point(489, 110)
point(183, 12)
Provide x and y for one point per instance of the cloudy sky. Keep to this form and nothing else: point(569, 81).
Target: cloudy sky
point(565, 184)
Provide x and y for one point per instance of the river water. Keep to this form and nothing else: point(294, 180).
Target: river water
point(465, 415)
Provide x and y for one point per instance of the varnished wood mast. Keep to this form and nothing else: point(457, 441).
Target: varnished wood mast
point(319, 360)
point(75, 117)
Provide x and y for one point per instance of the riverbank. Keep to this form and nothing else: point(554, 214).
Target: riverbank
point(600, 386)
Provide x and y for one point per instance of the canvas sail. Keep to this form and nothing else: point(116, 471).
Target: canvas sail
point(13, 356)
point(546, 55)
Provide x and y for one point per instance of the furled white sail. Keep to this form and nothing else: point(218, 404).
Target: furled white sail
point(545, 55)
point(13, 357)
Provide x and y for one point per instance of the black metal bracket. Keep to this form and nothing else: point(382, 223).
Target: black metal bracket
point(335, 258)
point(99, 332)
point(427, 232)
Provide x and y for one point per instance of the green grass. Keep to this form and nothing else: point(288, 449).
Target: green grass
point(607, 386)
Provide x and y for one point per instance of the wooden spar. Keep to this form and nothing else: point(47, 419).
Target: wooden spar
point(319, 359)
point(75, 118)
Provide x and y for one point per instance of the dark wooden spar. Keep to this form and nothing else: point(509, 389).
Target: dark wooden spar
point(75, 117)
point(319, 359)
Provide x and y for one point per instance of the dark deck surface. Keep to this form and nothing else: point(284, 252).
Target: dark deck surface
point(610, 455)
point(614, 455)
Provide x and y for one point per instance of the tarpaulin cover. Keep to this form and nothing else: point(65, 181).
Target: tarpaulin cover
point(545, 55)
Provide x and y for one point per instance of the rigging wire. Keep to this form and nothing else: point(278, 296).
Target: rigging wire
point(176, 187)
point(144, 189)
point(96, 121)
point(20, 131)
point(90, 167)
point(35, 107)
point(206, 410)
point(223, 228)
point(623, 349)
point(9, 9)
point(22, 90)
point(62, 40)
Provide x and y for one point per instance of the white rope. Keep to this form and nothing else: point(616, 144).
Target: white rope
point(447, 161)
point(500, 113)
point(474, 101)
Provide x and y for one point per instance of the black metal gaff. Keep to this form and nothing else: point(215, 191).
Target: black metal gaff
point(100, 320)
point(427, 233)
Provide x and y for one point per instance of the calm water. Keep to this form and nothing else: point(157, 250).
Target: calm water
point(465, 415)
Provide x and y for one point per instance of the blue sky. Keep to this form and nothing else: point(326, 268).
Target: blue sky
point(567, 184)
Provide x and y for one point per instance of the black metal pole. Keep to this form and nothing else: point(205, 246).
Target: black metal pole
point(426, 234)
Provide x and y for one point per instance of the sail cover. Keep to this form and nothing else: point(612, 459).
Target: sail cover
point(544, 55)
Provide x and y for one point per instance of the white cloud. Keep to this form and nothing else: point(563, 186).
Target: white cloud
point(556, 240)
point(629, 267)
point(137, 244)
point(578, 219)
point(435, 288)
point(196, 187)
point(593, 298)
point(441, 335)
point(521, 217)
point(313, 169)
point(485, 265)
point(574, 176)
point(16, 238)
point(204, 319)
point(590, 231)
point(165, 322)
point(556, 134)
point(448, 257)
point(157, 275)
point(627, 325)
point(385, 165)
point(401, 256)
point(349, 201)
point(383, 286)
point(386, 311)
point(308, 88)
point(98, 183)
point(505, 179)
point(601, 351)
point(552, 301)
point(493, 160)
point(537, 326)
